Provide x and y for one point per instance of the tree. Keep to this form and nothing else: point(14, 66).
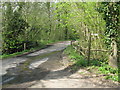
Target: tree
point(111, 16)
point(13, 25)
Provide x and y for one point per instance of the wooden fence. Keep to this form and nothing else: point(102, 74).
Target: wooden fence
point(113, 54)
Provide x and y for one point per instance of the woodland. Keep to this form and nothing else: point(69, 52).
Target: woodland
point(92, 27)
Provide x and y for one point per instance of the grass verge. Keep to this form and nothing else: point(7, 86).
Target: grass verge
point(4, 56)
point(43, 45)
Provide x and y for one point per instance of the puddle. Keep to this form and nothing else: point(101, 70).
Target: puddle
point(37, 63)
point(37, 53)
point(9, 63)
point(7, 80)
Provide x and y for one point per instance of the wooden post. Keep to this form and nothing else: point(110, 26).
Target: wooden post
point(24, 46)
point(71, 43)
point(89, 47)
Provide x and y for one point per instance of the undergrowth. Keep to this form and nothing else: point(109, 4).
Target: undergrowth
point(101, 65)
point(42, 45)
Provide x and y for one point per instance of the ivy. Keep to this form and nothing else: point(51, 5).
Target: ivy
point(111, 16)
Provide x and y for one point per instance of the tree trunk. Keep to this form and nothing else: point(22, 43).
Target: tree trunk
point(113, 55)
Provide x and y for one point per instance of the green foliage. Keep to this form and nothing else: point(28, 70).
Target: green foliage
point(22, 52)
point(111, 15)
point(114, 78)
point(112, 73)
point(13, 25)
point(100, 65)
point(106, 69)
point(27, 23)
point(47, 21)
point(75, 57)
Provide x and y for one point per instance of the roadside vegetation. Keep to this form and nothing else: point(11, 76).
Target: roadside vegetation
point(28, 26)
point(33, 49)
point(96, 66)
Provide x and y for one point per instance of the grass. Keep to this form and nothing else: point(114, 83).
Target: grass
point(101, 65)
point(4, 56)
point(44, 43)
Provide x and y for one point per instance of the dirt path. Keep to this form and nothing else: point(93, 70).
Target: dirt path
point(65, 78)
point(59, 75)
point(53, 70)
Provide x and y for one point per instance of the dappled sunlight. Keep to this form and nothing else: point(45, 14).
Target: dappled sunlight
point(63, 44)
